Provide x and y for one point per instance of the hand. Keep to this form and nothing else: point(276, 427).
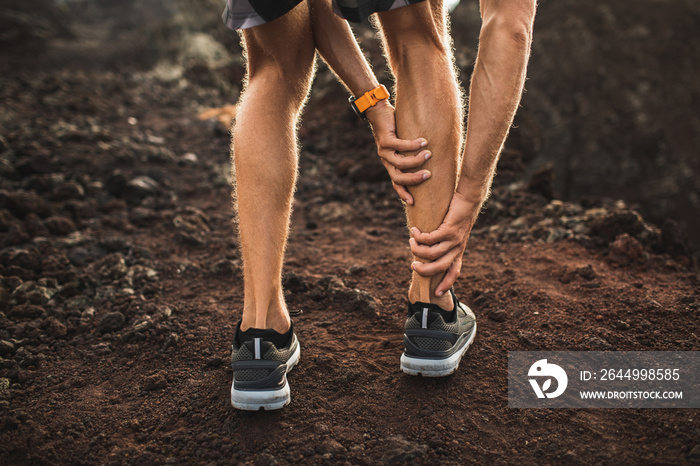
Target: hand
point(381, 117)
point(443, 249)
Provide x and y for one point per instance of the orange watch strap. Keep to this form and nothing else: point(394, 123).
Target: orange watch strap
point(371, 98)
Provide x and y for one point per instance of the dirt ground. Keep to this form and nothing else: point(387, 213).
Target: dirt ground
point(120, 286)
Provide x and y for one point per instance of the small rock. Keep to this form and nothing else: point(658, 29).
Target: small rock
point(567, 276)
point(101, 349)
point(4, 388)
point(109, 268)
point(599, 343)
point(331, 282)
point(191, 227)
point(190, 159)
point(140, 187)
point(613, 224)
point(356, 270)
point(59, 226)
point(622, 325)
point(32, 293)
point(6, 347)
point(586, 272)
point(398, 450)
point(357, 301)
point(294, 283)
point(214, 361)
point(330, 446)
point(155, 382)
point(27, 311)
point(625, 250)
point(226, 268)
point(171, 341)
point(139, 275)
point(499, 315)
point(69, 190)
point(111, 322)
point(55, 328)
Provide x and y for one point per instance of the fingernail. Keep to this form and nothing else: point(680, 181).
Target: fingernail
point(413, 266)
point(426, 175)
point(423, 143)
point(440, 293)
point(428, 155)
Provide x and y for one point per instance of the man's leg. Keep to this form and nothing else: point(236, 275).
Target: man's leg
point(280, 57)
point(429, 105)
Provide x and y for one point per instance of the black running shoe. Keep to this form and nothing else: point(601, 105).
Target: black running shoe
point(260, 361)
point(435, 340)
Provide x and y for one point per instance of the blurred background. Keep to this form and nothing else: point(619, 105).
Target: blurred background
point(611, 109)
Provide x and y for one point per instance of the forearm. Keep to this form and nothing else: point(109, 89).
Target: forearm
point(337, 46)
point(496, 89)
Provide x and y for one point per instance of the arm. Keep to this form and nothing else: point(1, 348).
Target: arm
point(337, 46)
point(496, 88)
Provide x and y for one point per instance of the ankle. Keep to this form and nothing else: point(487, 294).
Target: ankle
point(274, 317)
point(445, 301)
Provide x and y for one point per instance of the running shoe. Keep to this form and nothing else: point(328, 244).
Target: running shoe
point(435, 340)
point(260, 361)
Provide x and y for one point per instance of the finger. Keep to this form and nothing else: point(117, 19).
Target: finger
point(403, 193)
point(433, 252)
point(450, 277)
point(408, 179)
point(434, 237)
point(405, 162)
point(403, 145)
point(428, 269)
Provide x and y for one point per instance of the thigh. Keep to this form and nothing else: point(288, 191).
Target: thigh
point(286, 42)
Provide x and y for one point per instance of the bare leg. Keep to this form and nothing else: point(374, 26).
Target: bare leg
point(428, 104)
point(280, 60)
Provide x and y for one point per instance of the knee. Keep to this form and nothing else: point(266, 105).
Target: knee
point(285, 74)
point(513, 19)
point(413, 31)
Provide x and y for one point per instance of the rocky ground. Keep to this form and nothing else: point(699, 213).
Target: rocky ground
point(120, 285)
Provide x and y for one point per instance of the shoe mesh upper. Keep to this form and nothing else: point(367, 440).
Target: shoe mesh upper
point(248, 375)
point(243, 354)
point(432, 344)
point(438, 323)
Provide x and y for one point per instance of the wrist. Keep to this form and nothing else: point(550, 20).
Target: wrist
point(378, 109)
point(369, 100)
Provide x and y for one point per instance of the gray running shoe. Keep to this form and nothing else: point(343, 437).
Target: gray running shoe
point(260, 361)
point(435, 340)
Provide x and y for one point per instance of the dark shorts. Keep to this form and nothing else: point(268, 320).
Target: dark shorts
point(243, 14)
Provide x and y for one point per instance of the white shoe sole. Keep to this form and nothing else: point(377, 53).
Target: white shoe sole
point(249, 400)
point(435, 367)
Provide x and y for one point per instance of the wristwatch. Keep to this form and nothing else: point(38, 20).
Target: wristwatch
point(368, 100)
